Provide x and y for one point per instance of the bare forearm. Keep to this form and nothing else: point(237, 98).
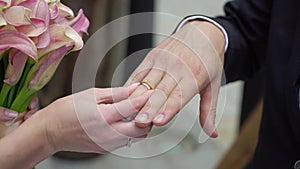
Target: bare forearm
point(59, 127)
point(26, 146)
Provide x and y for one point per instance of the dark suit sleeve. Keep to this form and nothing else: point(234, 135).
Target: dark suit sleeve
point(246, 23)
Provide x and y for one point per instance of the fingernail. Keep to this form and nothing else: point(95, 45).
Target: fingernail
point(216, 133)
point(11, 114)
point(142, 118)
point(159, 118)
point(133, 86)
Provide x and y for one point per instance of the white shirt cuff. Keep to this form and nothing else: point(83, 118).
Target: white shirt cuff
point(200, 17)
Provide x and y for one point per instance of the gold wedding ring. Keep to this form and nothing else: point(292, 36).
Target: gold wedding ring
point(146, 85)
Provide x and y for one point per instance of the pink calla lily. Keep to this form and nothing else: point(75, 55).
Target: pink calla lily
point(44, 70)
point(65, 14)
point(16, 2)
point(43, 40)
point(80, 24)
point(65, 11)
point(17, 15)
point(30, 4)
point(35, 29)
point(61, 35)
point(2, 21)
point(17, 40)
point(5, 3)
point(17, 62)
point(41, 11)
point(40, 30)
point(40, 17)
point(54, 11)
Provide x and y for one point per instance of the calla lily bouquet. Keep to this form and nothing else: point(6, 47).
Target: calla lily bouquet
point(35, 35)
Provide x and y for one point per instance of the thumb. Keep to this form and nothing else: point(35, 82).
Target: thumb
point(7, 115)
point(208, 104)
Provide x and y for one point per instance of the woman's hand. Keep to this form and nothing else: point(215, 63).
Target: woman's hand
point(32, 108)
point(91, 121)
point(185, 64)
point(7, 115)
point(10, 120)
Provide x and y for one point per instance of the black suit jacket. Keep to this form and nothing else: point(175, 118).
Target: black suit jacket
point(266, 33)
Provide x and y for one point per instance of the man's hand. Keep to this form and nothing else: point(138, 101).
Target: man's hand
point(183, 65)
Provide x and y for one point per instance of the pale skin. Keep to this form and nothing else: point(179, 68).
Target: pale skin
point(7, 115)
point(176, 70)
point(10, 120)
point(190, 62)
point(59, 127)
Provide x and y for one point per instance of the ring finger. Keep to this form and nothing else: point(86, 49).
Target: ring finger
point(150, 81)
point(156, 101)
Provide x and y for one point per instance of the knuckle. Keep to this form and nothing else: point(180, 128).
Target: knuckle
point(177, 94)
point(178, 64)
point(163, 86)
point(138, 76)
point(136, 104)
point(172, 110)
point(153, 54)
point(197, 69)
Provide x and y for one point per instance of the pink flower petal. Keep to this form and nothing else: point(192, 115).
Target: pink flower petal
point(17, 62)
point(39, 8)
point(42, 11)
point(43, 40)
point(61, 35)
point(46, 67)
point(65, 11)
point(17, 15)
point(30, 4)
point(35, 29)
point(5, 3)
point(54, 11)
point(16, 2)
point(80, 24)
point(17, 40)
point(2, 21)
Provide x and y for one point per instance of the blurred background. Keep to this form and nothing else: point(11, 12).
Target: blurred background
point(231, 149)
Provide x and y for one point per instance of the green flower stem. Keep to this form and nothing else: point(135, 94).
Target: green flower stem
point(27, 102)
point(1, 73)
point(22, 100)
point(5, 59)
point(4, 93)
point(24, 76)
point(11, 96)
point(5, 88)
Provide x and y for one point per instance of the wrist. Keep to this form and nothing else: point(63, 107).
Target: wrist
point(35, 126)
point(27, 145)
point(213, 33)
point(51, 132)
